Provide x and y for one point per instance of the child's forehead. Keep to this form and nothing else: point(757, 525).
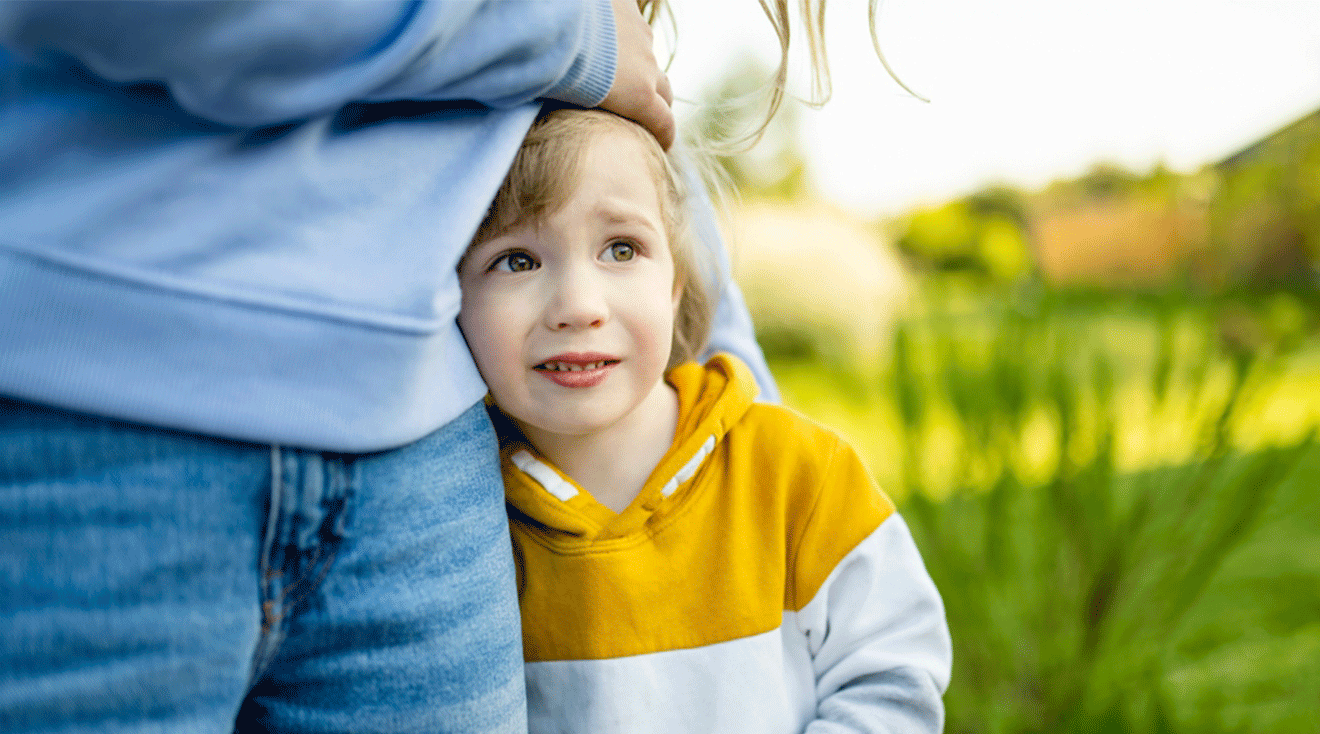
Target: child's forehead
point(614, 139)
point(614, 172)
point(606, 201)
point(574, 149)
point(621, 134)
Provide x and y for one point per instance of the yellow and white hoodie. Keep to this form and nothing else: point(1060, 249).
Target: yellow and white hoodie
point(760, 582)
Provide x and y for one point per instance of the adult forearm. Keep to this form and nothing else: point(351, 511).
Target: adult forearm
point(257, 63)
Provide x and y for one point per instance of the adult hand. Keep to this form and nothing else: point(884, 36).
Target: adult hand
point(641, 90)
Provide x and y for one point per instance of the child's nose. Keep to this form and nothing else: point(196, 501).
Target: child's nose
point(579, 303)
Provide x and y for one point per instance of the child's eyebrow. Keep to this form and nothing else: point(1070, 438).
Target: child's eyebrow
point(625, 214)
point(476, 251)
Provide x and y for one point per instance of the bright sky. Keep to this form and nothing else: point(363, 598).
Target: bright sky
point(1025, 91)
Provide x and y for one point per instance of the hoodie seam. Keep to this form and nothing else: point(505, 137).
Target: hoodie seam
point(795, 550)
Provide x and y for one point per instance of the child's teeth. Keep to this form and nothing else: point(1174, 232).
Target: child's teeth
point(569, 367)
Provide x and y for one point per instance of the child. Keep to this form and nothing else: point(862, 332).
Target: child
point(689, 561)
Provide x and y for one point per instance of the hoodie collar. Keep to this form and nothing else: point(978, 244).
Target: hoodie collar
point(711, 398)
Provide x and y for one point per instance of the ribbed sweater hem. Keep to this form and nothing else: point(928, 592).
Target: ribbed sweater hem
point(225, 366)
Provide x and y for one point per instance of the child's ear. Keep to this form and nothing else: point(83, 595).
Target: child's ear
point(678, 291)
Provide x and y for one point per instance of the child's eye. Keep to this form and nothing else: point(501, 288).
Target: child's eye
point(620, 252)
point(514, 262)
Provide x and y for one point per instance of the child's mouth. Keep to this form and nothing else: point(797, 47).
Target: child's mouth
point(576, 373)
point(553, 366)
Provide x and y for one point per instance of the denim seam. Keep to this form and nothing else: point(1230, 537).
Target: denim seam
point(305, 586)
point(338, 487)
point(268, 539)
point(272, 601)
point(290, 573)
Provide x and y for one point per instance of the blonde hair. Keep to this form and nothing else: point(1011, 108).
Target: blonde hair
point(812, 14)
point(545, 173)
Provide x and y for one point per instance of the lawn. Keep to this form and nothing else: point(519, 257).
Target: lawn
point(1115, 494)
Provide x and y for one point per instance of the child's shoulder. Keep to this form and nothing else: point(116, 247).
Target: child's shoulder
point(724, 388)
point(786, 449)
point(720, 397)
point(829, 498)
point(788, 430)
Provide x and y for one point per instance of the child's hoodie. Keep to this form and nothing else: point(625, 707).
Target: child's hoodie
point(759, 582)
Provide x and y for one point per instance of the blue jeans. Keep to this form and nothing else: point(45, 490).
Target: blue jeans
point(155, 581)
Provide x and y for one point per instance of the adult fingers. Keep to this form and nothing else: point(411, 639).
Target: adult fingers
point(659, 119)
point(641, 91)
point(665, 90)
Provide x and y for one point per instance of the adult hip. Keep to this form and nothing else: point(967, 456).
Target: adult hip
point(153, 580)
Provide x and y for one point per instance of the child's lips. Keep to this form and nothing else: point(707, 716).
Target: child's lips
point(576, 370)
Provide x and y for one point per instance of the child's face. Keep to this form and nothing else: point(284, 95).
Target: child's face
point(570, 318)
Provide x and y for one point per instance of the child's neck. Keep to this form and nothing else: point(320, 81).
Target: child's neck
point(613, 464)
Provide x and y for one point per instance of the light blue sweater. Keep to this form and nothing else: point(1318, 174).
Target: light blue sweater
point(243, 219)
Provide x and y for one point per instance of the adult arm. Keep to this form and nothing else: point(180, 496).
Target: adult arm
point(250, 64)
point(732, 330)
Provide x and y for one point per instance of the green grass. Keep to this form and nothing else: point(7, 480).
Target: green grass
point(1116, 497)
point(1249, 655)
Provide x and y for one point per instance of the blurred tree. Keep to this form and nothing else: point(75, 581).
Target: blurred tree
point(1108, 181)
point(1265, 213)
point(983, 234)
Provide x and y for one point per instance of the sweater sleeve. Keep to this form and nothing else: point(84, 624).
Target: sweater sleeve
point(875, 627)
point(251, 64)
point(731, 328)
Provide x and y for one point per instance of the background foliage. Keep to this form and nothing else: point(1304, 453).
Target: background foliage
point(1096, 409)
point(1116, 497)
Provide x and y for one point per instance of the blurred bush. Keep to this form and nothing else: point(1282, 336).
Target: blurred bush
point(1072, 572)
point(1095, 410)
point(1095, 484)
point(821, 283)
point(982, 234)
point(1250, 221)
point(1265, 214)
